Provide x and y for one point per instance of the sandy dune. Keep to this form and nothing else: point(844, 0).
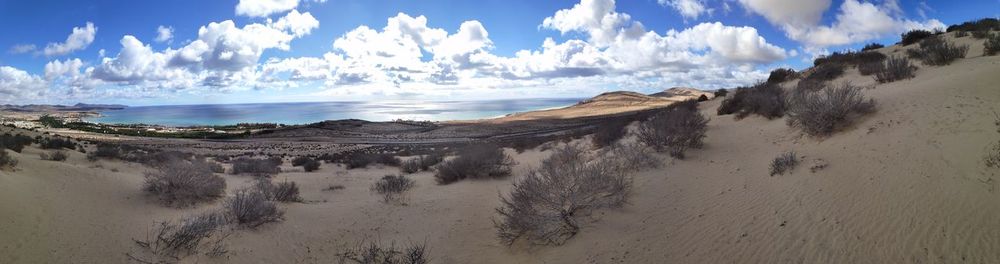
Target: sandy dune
point(904, 185)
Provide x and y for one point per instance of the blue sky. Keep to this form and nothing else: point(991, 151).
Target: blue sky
point(284, 50)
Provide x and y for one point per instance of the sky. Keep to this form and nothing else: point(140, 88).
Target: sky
point(252, 51)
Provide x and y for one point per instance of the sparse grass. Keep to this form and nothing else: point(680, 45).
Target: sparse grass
point(823, 112)
point(783, 163)
point(938, 52)
point(674, 131)
point(992, 45)
point(250, 208)
point(377, 253)
point(392, 187)
point(764, 99)
point(894, 69)
point(53, 156)
point(182, 183)
point(481, 161)
point(543, 207)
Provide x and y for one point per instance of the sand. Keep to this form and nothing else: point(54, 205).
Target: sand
point(904, 185)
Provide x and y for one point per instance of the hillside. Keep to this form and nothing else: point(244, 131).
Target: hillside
point(905, 184)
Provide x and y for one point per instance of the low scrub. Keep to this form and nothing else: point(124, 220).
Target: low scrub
point(632, 157)
point(894, 69)
point(56, 143)
point(872, 46)
point(14, 142)
point(421, 163)
point(764, 99)
point(781, 75)
point(914, 36)
point(937, 52)
point(674, 131)
point(980, 34)
point(392, 187)
point(985, 24)
point(285, 191)
point(250, 208)
point(543, 207)
point(821, 113)
point(6, 161)
point(783, 163)
point(849, 58)
point(482, 161)
point(256, 166)
point(609, 132)
point(992, 45)
point(170, 241)
point(720, 93)
point(308, 164)
point(53, 156)
point(363, 160)
point(992, 158)
point(182, 183)
point(826, 72)
point(377, 253)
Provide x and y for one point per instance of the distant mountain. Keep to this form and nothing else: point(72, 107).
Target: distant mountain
point(683, 92)
point(56, 108)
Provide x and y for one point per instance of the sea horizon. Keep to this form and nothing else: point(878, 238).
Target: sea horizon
point(298, 113)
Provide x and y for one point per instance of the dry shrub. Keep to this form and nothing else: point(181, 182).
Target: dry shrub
point(674, 131)
point(784, 162)
point(872, 46)
point(764, 99)
point(992, 45)
point(722, 92)
point(300, 160)
point(543, 206)
point(181, 183)
point(781, 75)
point(826, 72)
point(421, 163)
point(6, 161)
point(632, 157)
point(894, 69)
point(609, 132)
point(308, 164)
point(822, 112)
point(913, 36)
point(480, 161)
point(251, 208)
point(14, 142)
point(53, 156)
point(936, 51)
point(992, 158)
point(284, 191)
point(961, 34)
point(363, 160)
point(377, 253)
point(256, 166)
point(980, 34)
point(392, 187)
point(169, 241)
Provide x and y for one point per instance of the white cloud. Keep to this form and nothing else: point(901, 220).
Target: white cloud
point(300, 24)
point(17, 86)
point(687, 8)
point(263, 8)
point(597, 18)
point(855, 21)
point(164, 34)
point(56, 68)
point(78, 40)
point(22, 48)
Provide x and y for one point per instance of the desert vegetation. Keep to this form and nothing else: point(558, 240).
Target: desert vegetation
point(544, 206)
point(256, 166)
point(421, 163)
point(979, 28)
point(363, 160)
point(479, 161)
point(378, 253)
point(872, 46)
point(251, 208)
point(781, 75)
point(914, 36)
point(936, 51)
point(56, 143)
point(284, 191)
point(608, 133)
point(14, 142)
point(169, 241)
point(895, 68)
point(182, 183)
point(820, 113)
point(6, 161)
point(57, 155)
point(674, 131)
point(992, 45)
point(392, 187)
point(784, 163)
point(764, 99)
point(308, 164)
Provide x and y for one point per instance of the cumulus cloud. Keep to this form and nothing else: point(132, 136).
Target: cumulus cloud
point(855, 21)
point(264, 8)
point(55, 69)
point(687, 8)
point(164, 34)
point(17, 85)
point(78, 40)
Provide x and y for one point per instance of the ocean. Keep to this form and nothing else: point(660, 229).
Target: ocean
point(305, 113)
